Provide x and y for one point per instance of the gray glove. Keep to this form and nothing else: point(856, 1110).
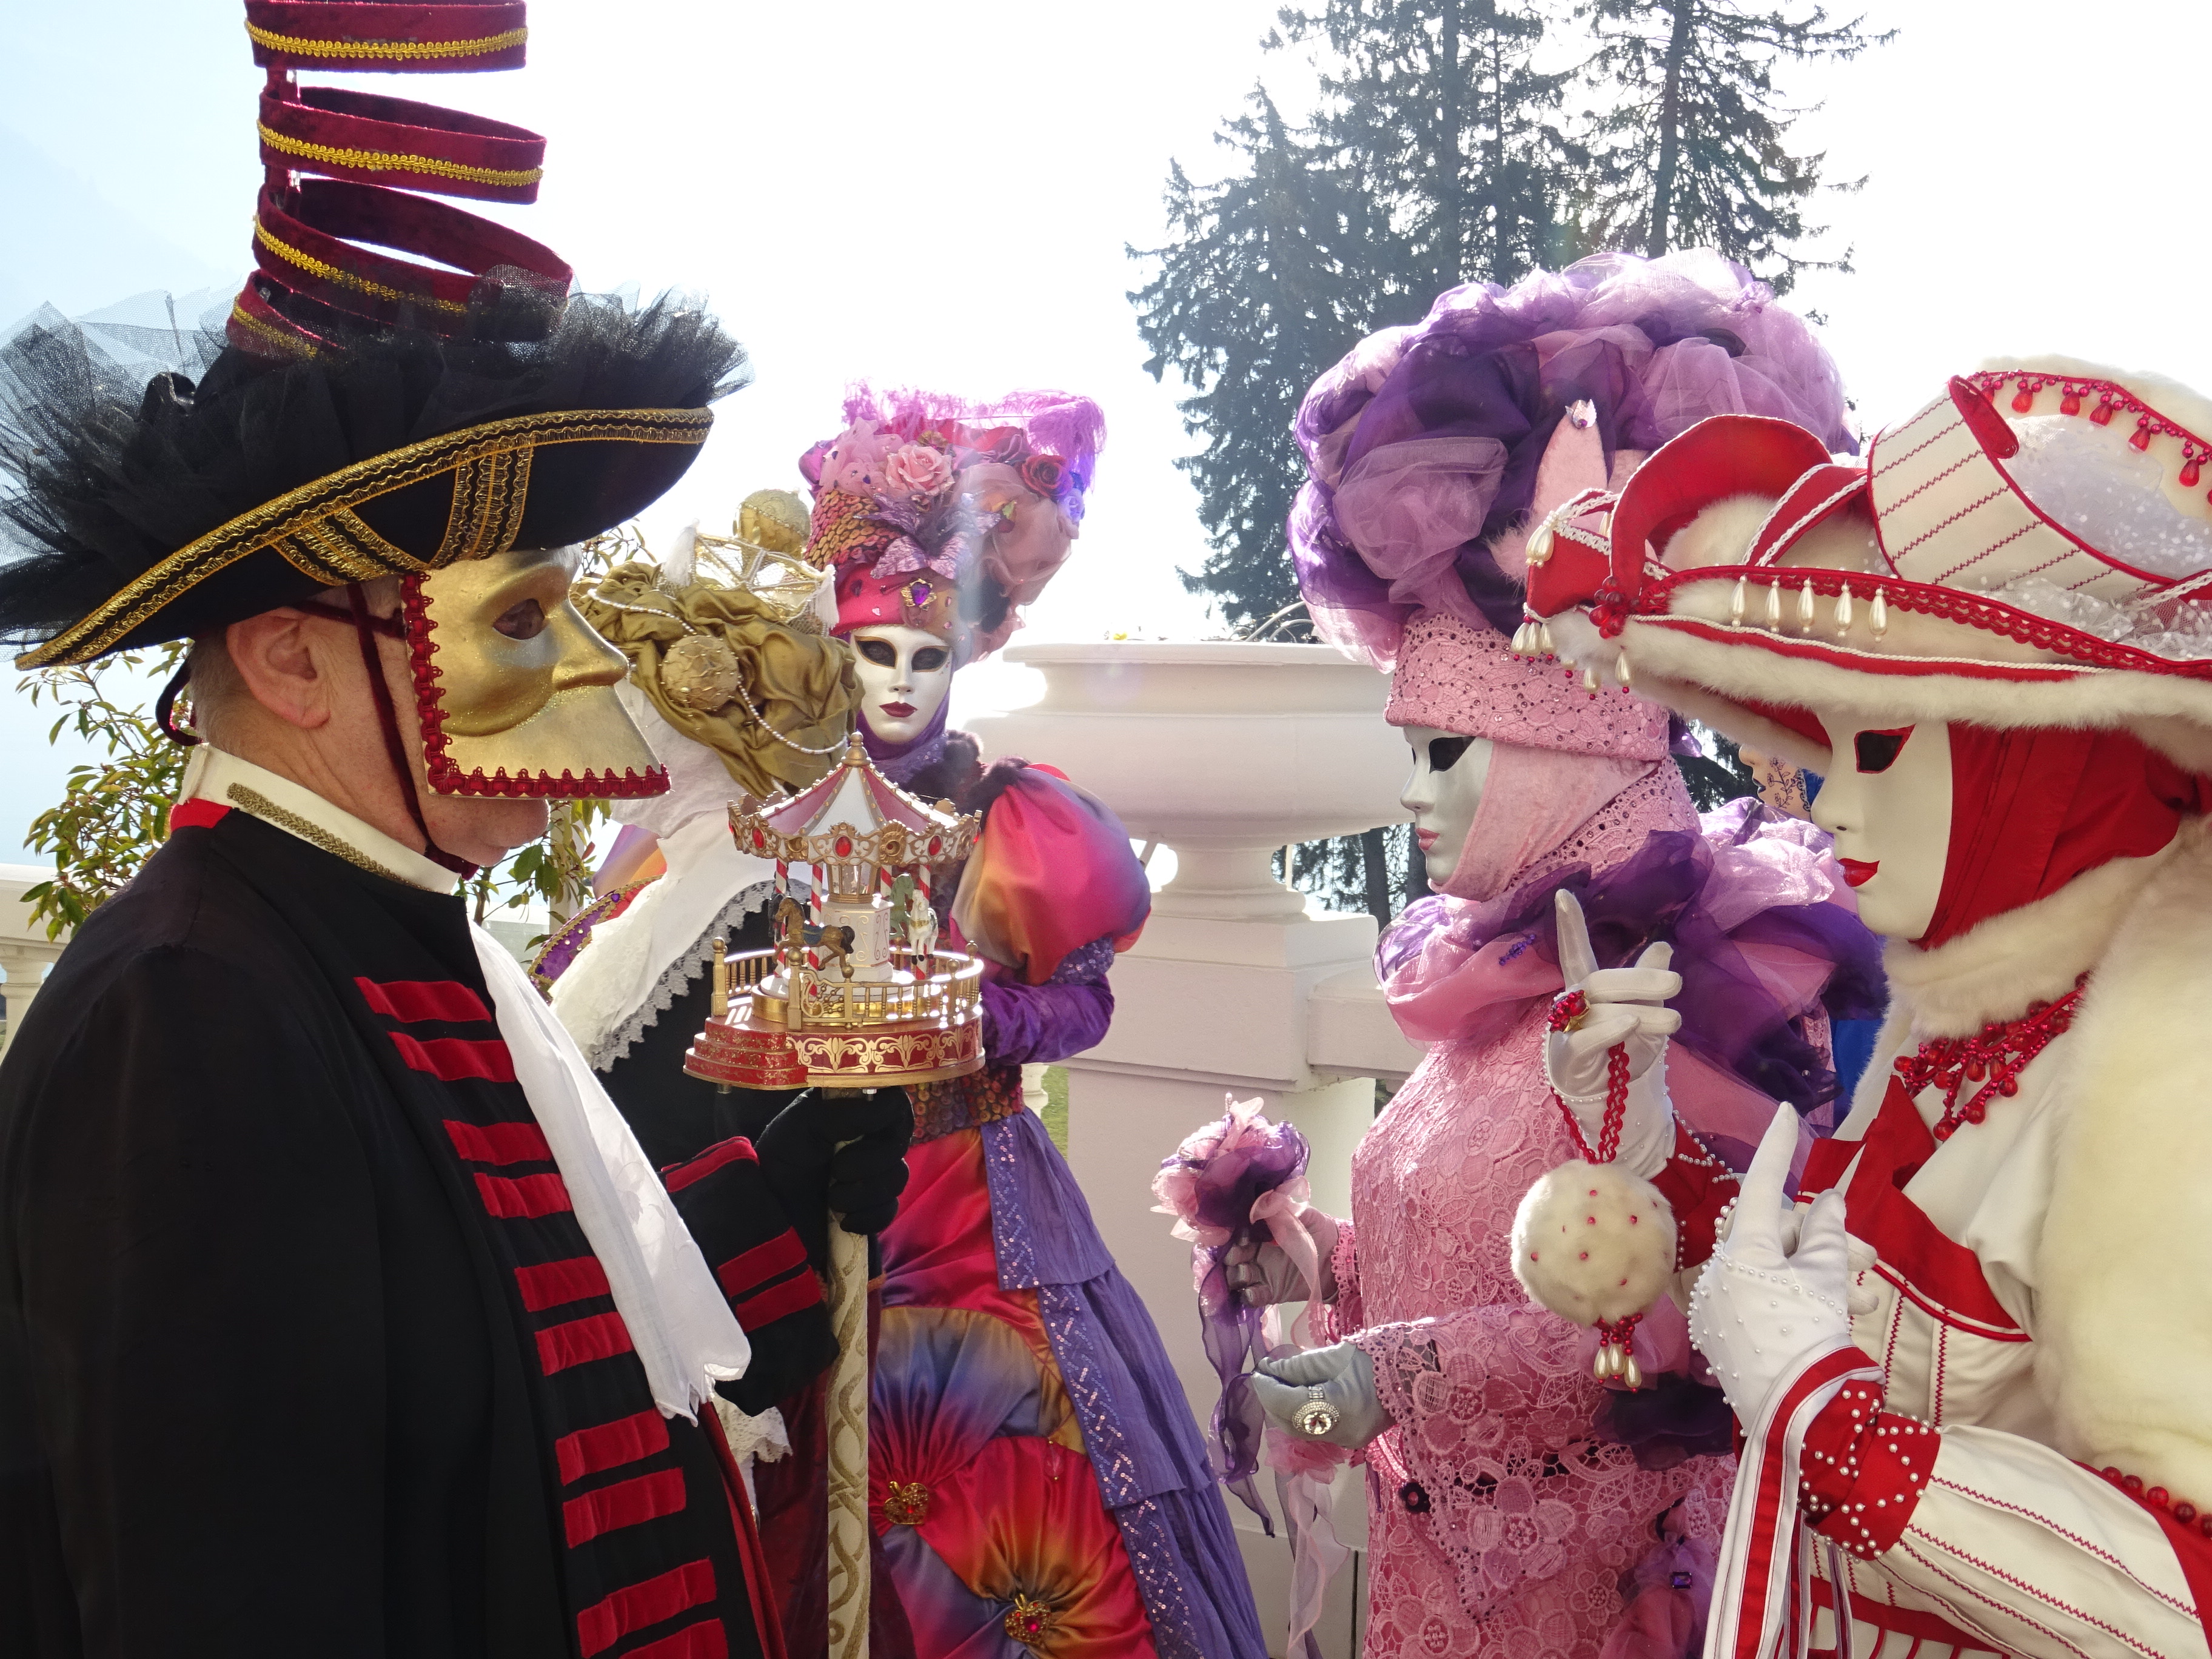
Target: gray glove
point(1339, 1379)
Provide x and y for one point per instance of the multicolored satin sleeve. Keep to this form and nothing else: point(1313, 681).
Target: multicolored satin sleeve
point(1051, 873)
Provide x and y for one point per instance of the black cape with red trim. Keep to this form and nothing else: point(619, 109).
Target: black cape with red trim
point(301, 1349)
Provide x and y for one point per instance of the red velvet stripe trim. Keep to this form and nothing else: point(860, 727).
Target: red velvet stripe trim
point(518, 1198)
point(607, 1621)
point(555, 1284)
point(413, 999)
point(743, 1274)
point(737, 1149)
point(766, 1307)
point(581, 1341)
point(704, 1640)
point(610, 1445)
point(500, 1143)
point(195, 814)
point(626, 1503)
point(454, 1059)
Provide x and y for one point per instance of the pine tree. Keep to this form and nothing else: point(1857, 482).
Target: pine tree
point(1440, 107)
point(1691, 140)
point(1267, 277)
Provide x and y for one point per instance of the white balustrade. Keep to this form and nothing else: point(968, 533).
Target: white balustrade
point(1224, 751)
point(26, 953)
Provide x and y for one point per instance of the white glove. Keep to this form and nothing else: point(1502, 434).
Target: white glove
point(1340, 1376)
point(1627, 1007)
point(1776, 1294)
point(1264, 1274)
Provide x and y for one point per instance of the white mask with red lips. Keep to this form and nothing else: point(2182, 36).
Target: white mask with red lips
point(1449, 770)
point(1885, 798)
point(905, 675)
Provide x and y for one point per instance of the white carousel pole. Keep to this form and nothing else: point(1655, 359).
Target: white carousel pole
point(846, 1419)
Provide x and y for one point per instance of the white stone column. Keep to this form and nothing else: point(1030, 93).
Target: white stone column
point(1225, 752)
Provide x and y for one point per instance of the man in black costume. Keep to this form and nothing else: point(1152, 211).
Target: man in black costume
point(339, 1311)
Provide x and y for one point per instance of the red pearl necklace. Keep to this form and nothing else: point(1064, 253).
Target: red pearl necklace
point(1567, 1013)
point(1993, 1057)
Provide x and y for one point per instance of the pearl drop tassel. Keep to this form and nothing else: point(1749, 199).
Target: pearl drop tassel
point(1805, 607)
point(1774, 604)
point(1735, 601)
point(1844, 610)
point(1880, 615)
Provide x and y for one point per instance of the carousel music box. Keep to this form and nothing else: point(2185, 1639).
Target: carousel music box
point(854, 992)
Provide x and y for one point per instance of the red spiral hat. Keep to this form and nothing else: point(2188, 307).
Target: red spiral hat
point(351, 174)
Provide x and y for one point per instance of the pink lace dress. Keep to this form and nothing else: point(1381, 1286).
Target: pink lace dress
point(1498, 1525)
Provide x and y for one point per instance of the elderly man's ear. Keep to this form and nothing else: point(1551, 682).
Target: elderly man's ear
point(285, 662)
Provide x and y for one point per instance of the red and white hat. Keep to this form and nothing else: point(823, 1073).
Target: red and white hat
point(2034, 548)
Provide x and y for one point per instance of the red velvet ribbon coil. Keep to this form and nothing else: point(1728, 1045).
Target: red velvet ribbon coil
point(311, 249)
point(365, 36)
point(377, 140)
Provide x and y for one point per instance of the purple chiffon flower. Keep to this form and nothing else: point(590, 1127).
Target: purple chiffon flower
point(1210, 1186)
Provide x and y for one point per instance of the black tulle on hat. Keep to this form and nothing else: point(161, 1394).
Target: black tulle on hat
point(601, 416)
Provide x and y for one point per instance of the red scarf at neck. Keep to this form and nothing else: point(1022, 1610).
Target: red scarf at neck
point(2034, 807)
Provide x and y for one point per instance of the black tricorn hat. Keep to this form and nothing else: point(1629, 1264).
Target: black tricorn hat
point(146, 515)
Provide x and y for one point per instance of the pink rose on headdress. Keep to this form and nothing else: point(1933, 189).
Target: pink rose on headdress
point(917, 470)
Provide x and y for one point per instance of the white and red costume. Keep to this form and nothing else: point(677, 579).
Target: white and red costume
point(1979, 1401)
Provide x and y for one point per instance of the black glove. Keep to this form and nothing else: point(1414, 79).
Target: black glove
point(812, 1175)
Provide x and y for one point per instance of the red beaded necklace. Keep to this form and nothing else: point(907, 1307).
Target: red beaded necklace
point(1994, 1057)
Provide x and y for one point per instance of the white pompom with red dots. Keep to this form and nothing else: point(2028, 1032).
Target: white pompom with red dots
point(1594, 1244)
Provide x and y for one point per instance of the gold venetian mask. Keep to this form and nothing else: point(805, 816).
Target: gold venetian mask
point(515, 690)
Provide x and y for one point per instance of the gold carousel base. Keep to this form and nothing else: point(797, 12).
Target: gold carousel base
point(743, 1052)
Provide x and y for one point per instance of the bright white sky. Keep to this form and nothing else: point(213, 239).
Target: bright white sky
point(877, 190)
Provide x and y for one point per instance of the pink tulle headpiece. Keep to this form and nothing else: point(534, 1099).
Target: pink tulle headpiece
point(1465, 679)
point(948, 515)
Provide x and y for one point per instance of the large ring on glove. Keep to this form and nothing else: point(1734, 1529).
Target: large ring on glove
point(1317, 1417)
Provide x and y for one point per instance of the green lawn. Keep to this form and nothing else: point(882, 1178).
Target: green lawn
point(1055, 1105)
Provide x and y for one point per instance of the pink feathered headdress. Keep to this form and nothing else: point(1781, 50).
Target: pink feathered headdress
point(948, 515)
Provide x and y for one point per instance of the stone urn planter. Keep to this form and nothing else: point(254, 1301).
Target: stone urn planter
point(1221, 750)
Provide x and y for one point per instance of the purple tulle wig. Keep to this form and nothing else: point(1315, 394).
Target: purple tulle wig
point(1423, 444)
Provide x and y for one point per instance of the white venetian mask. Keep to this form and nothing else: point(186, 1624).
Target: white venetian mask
point(1886, 799)
point(905, 676)
point(1446, 787)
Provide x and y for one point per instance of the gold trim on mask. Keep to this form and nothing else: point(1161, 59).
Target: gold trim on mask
point(316, 530)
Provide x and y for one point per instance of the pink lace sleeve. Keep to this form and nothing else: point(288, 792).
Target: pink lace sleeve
point(1343, 1314)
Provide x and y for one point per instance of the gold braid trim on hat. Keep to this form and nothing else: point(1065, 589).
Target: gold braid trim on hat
point(390, 160)
point(301, 45)
point(331, 273)
point(316, 532)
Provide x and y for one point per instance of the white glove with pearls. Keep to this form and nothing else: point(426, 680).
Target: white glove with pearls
point(1776, 1295)
point(1626, 1007)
